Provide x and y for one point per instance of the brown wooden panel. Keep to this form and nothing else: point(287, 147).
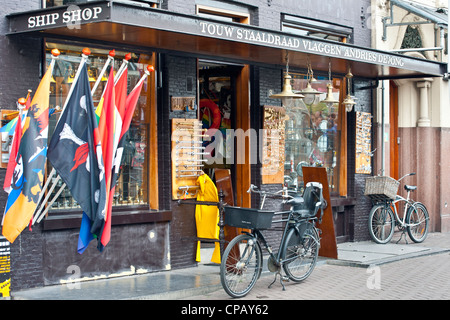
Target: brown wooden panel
point(342, 128)
point(243, 173)
point(393, 120)
point(328, 246)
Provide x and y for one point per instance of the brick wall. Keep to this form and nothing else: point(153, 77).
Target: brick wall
point(20, 61)
point(357, 184)
point(20, 66)
point(182, 227)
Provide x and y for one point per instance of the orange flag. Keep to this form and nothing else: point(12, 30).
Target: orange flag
point(28, 176)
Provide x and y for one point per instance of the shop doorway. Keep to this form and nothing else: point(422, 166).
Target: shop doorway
point(224, 108)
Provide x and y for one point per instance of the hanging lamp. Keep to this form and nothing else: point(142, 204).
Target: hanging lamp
point(286, 95)
point(309, 93)
point(329, 99)
point(348, 101)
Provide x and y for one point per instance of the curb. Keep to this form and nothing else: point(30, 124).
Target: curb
point(377, 262)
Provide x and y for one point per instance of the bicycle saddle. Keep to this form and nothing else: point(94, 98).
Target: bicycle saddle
point(410, 188)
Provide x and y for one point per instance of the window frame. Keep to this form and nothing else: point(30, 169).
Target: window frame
point(127, 213)
point(213, 12)
point(317, 26)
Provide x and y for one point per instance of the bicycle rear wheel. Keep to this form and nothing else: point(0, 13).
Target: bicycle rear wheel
point(381, 223)
point(419, 218)
point(241, 265)
point(300, 253)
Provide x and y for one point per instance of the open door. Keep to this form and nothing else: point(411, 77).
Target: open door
point(225, 110)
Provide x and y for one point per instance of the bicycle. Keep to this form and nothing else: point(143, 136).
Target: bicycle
point(383, 217)
point(242, 260)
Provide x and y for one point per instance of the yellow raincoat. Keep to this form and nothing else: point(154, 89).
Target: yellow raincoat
point(207, 217)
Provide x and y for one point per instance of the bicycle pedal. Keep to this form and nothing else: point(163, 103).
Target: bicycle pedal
point(285, 278)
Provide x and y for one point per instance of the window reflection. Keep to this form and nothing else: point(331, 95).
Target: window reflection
point(312, 134)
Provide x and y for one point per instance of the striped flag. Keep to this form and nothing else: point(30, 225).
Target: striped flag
point(106, 129)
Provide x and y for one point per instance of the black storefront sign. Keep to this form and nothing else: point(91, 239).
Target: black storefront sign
point(299, 44)
point(71, 17)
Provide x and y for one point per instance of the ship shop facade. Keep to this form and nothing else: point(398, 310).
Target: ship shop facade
point(231, 53)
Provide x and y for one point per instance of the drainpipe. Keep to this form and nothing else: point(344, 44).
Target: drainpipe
point(383, 159)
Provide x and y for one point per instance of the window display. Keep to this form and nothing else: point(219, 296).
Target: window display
point(132, 181)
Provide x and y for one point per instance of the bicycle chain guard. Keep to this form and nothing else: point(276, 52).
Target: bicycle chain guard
point(272, 265)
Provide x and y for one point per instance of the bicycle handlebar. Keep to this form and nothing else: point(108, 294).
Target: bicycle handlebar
point(406, 175)
point(280, 193)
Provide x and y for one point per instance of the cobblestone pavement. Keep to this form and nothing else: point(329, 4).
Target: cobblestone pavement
point(426, 277)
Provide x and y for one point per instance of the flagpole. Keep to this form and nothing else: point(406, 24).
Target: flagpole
point(147, 72)
point(55, 53)
point(111, 55)
point(51, 202)
point(84, 56)
point(122, 68)
point(37, 212)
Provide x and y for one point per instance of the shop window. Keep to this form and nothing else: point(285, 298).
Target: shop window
point(313, 134)
point(223, 14)
point(315, 28)
point(132, 182)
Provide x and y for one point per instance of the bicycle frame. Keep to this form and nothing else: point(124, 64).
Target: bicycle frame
point(297, 254)
point(407, 202)
point(290, 223)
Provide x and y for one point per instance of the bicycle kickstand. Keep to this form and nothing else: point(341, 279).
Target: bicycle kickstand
point(401, 236)
point(282, 278)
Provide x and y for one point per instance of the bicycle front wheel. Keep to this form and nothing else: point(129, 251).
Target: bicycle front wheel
point(300, 253)
point(381, 223)
point(241, 265)
point(417, 219)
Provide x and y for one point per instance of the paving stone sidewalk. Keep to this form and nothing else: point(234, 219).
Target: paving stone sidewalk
point(423, 277)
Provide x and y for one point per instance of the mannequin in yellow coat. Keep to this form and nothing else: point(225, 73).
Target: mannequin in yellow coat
point(207, 217)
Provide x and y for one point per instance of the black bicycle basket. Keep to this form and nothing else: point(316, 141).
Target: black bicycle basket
point(247, 218)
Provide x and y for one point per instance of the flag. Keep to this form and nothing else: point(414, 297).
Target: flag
point(75, 151)
point(10, 127)
point(12, 163)
point(119, 107)
point(130, 105)
point(125, 108)
point(106, 129)
point(120, 96)
point(16, 128)
point(28, 175)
